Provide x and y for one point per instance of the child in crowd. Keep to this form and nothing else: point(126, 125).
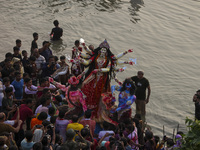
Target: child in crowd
point(25, 61)
point(32, 70)
point(6, 83)
point(34, 42)
point(18, 84)
point(7, 101)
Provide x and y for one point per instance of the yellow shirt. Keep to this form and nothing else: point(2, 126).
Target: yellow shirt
point(75, 126)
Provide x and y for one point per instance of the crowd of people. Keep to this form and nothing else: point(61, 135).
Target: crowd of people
point(48, 103)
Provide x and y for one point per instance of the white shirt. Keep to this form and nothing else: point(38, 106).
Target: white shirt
point(10, 122)
point(34, 88)
point(36, 111)
point(61, 126)
point(40, 61)
point(102, 133)
point(4, 87)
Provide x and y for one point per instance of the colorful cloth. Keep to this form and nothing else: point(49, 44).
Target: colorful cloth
point(95, 84)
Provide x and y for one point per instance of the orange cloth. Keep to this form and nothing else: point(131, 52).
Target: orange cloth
point(35, 121)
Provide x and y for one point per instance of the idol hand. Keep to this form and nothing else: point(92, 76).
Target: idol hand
point(130, 50)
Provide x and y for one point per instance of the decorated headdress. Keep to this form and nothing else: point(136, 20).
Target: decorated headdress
point(104, 44)
point(73, 80)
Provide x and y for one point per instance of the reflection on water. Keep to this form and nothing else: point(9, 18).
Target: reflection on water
point(135, 6)
point(58, 46)
point(108, 5)
point(100, 5)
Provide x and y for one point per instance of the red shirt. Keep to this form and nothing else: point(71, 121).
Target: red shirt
point(91, 123)
point(25, 112)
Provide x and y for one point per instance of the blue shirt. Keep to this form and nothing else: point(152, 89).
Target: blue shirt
point(18, 88)
point(27, 145)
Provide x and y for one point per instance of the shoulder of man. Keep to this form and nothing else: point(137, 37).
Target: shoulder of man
point(134, 78)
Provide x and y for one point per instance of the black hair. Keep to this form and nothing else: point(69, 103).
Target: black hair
point(74, 118)
point(44, 42)
point(55, 22)
point(61, 114)
point(45, 123)
point(106, 125)
point(180, 132)
point(148, 135)
point(17, 73)
point(53, 119)
point(137, 123)
point(62, 57)
point(7, 60)
point(130, 127)
point(43, 80)
point(6, 79)
point(42, 116)
point(32, 58)
point(29, 135)
point(56, 58)
point(76, 42)
point(18, 41)
point(23, 52)
point(8, 90)
point(85, 132)
point(51, 110)
point(127, 121)
point(45, 90)
point(156, 139)
point(58, 98)
point(88, 114)
point(26, 80)
point(9, 54)
point(35, 34)
point(28, 101)
point(170, 142)
point(44, 141)
point(43, 100)
point(37, 146)
point(15, 48)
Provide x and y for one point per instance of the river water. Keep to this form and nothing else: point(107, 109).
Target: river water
point(163, 35)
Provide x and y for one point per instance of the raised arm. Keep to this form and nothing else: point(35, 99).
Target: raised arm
point(87, 49)
point(86, 62)
point(120, 55)
point(60, 86)
point(118, 62)
point(84, 55)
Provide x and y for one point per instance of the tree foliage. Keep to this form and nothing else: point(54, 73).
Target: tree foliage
point(192, 137)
